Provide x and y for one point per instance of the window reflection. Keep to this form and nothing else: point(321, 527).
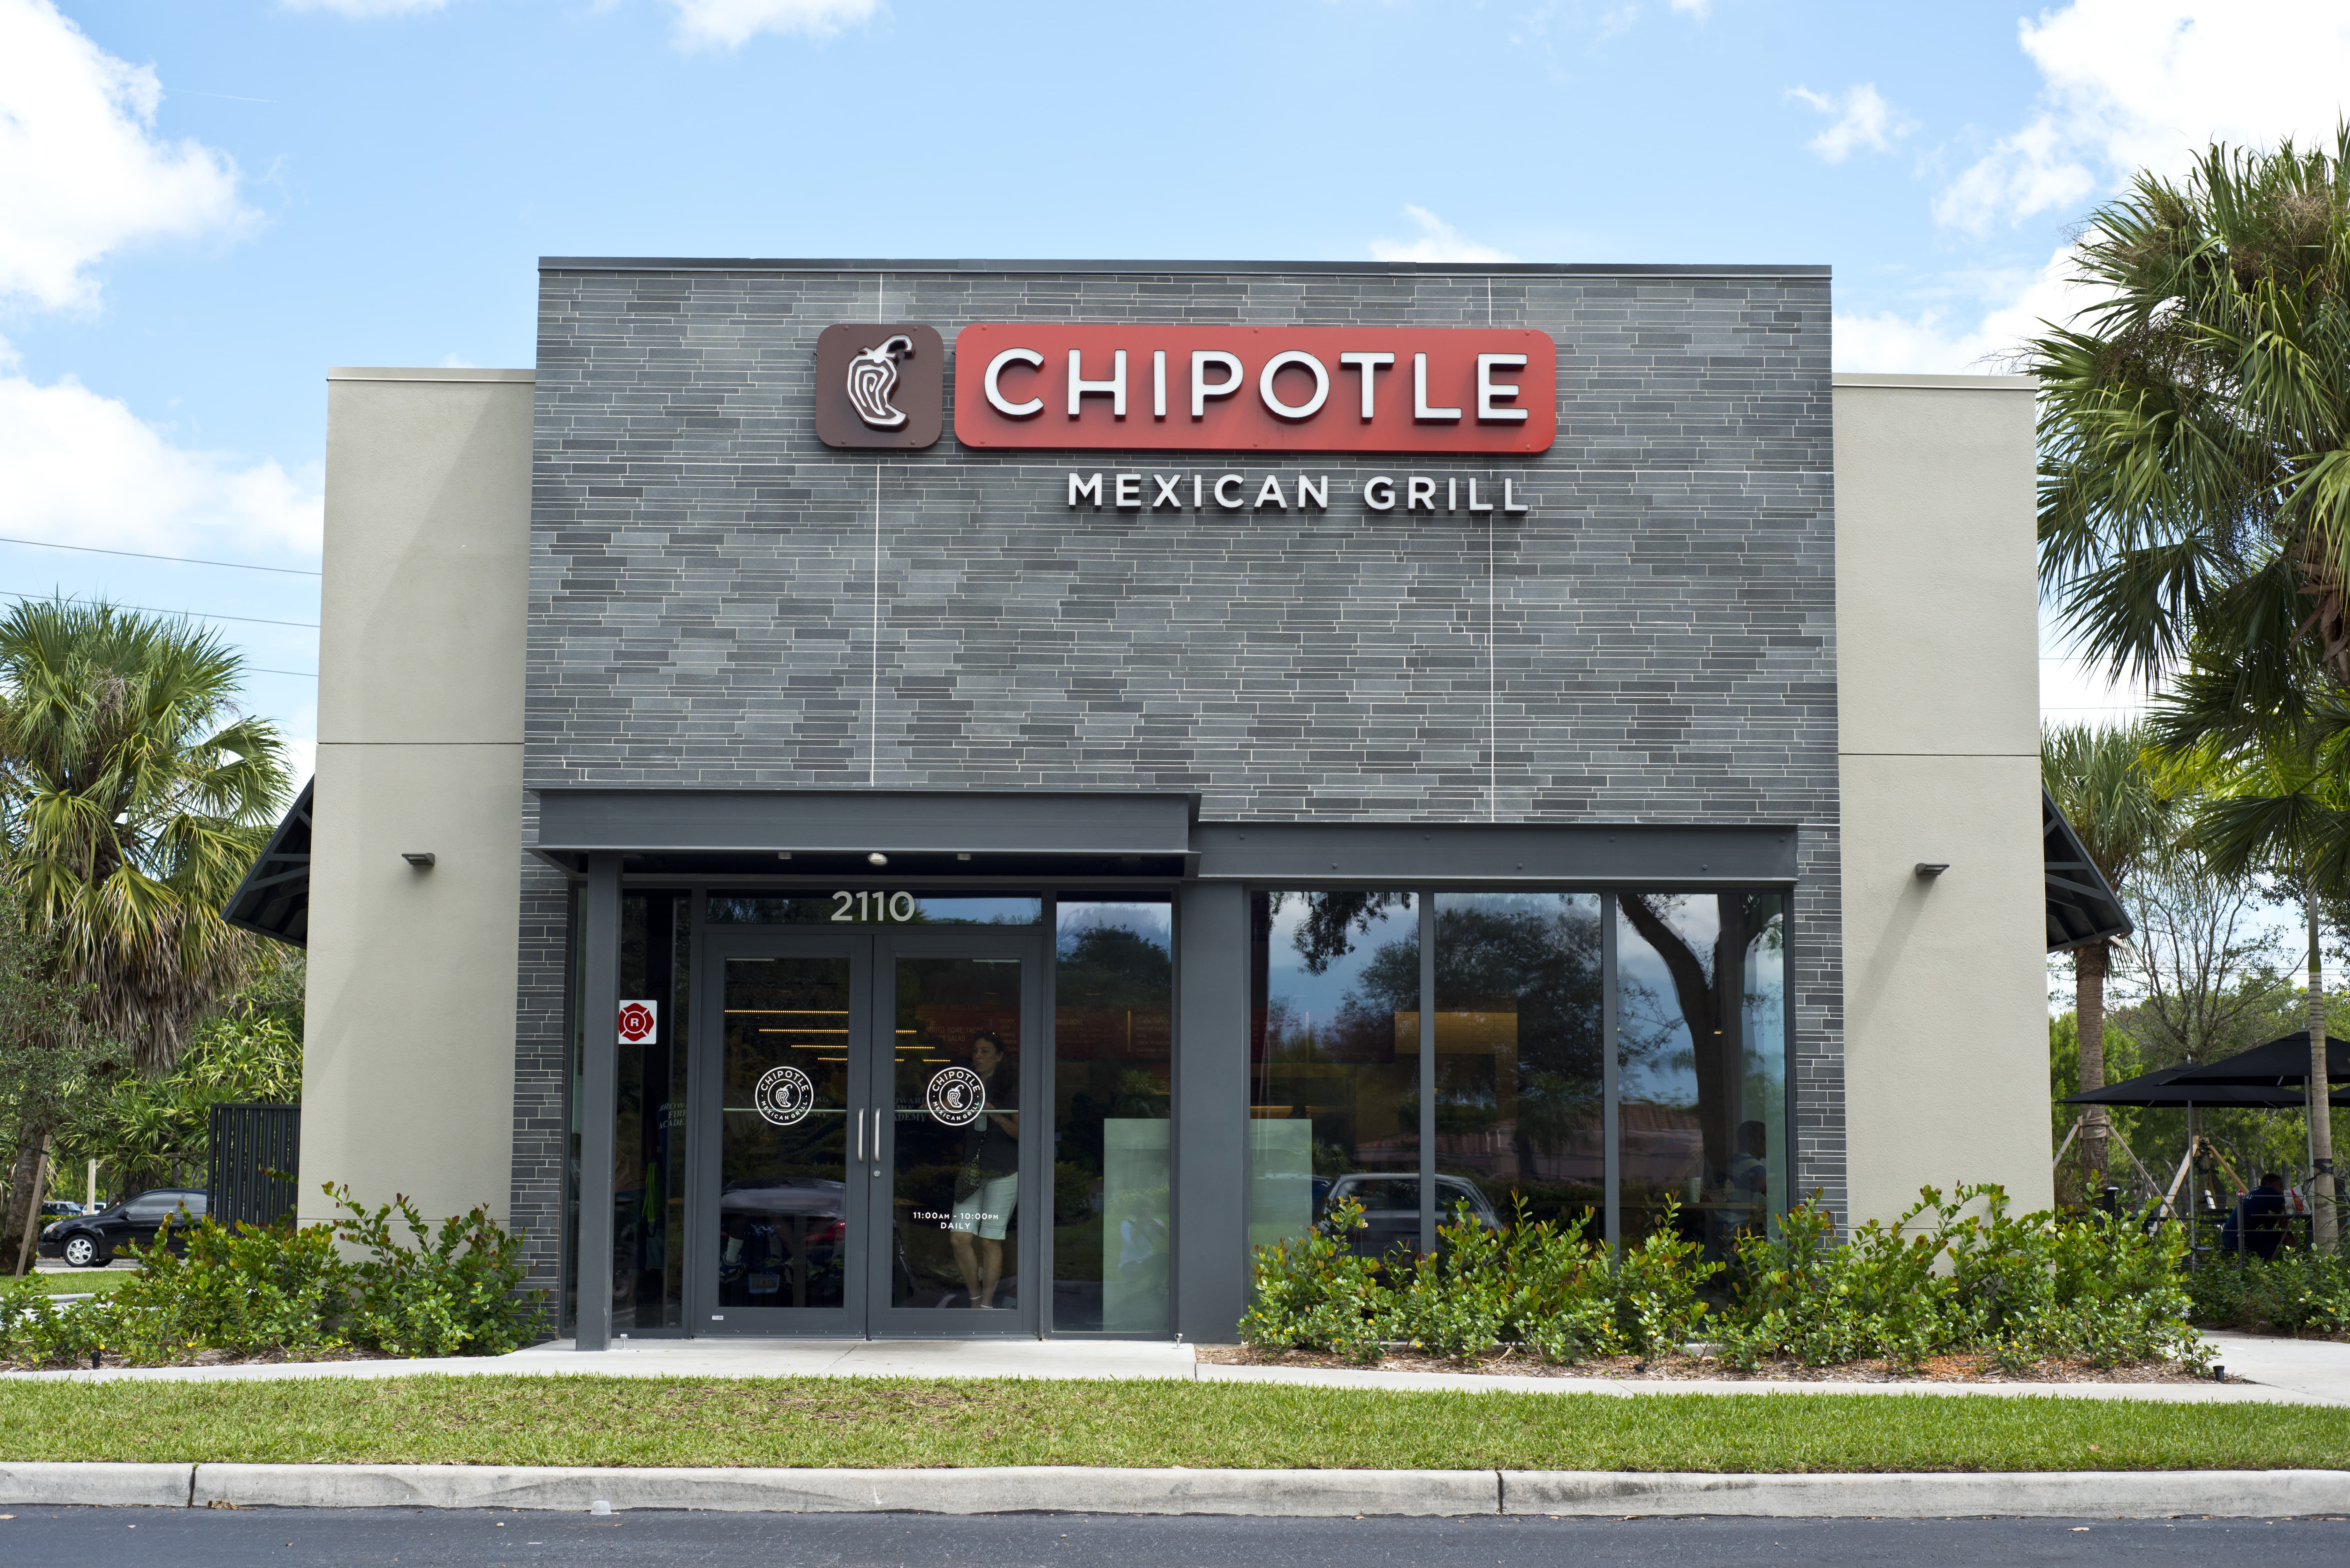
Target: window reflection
point(1518, 1067)
point(1334, 1054)
point(1701, 1054)
point(1113, 1015)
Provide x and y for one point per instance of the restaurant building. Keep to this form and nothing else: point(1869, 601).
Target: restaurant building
point(924, 798)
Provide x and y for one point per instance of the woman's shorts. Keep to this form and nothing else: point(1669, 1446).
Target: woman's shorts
point(988, 1212)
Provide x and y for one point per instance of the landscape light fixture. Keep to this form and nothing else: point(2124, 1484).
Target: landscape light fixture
point(420, 858)
point(1930, 869)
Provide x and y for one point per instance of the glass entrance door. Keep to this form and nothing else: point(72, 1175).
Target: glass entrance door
point(864, 1165)
point(960, 1159)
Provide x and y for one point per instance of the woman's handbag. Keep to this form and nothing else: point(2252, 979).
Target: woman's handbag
point(969, 1180)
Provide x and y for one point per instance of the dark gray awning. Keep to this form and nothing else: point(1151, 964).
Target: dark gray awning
point(2081, 908)
point(273, 899)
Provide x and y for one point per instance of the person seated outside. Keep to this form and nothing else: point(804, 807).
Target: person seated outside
point(2261, 1215)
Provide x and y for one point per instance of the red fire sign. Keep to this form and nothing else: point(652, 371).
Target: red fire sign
point(639, 1020)
point(1476, 391)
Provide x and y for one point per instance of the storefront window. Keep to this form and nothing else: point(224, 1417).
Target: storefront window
point(649, 1134)
point(1519, 1079)
point(1113, 1015)
point(1702, 1061)
point(1334, 1056)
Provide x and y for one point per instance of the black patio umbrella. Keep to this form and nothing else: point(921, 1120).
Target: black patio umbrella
point(2280, 1063)
point(2161, 1088)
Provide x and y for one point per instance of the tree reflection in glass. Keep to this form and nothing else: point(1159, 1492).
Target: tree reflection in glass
point(1701, 1059)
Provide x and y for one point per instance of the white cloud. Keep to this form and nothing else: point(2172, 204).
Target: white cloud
point(2133, 84)
point(1439, 242)
point(729, 24)
point(1863, 120)
point(1700, 9)
point(1966, 339)
point(84, 469)
point(364, 7)
point(80, 167)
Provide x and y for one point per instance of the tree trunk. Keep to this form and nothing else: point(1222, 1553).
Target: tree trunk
point(2089, 1018)
point(23, 1195)
point(2321, 1218)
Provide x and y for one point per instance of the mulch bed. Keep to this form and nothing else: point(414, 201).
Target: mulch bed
point(1688, 1369)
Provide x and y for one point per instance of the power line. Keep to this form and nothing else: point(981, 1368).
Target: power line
point(191, 615)
point(143, 556)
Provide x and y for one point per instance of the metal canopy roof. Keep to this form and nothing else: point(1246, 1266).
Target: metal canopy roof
point(2081, 908)
point(273, 899)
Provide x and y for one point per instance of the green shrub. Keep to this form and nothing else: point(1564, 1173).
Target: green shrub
point(1313, 1293)
point(2299, 1292)
point(297, 1291)
point(1938, 1280)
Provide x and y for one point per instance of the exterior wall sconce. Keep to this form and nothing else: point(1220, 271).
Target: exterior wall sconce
point(420, 858)
point(1930, 869)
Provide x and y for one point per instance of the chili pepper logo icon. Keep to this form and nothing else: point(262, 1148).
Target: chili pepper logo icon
point(873, 376)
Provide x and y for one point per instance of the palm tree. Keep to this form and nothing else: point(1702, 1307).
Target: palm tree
point(2278, 803)
point(2195, 476)
point(2120, 813)
point(134, 797)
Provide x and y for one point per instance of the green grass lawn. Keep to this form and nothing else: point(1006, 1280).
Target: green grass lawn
point(83, 1282)
point(859, 1422)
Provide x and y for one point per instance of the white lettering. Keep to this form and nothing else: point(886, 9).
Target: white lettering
point(1089, 488)
point(1453, 495)
point(1269, 493)
point(1280, 362)
point(1167, 496)
point(1159, 383)
point(1202, 389)
point(1314, 490)
point(1473, 505)
point(1378, 492)
point(1115, 388)
point(1129, 490)
point(1419, 492)
point(1488, 388)
point(1365, 365)
point(995, 398)
point(1229, 503)
point(1195, 493)
point(1509, 501)
point(1420, 409)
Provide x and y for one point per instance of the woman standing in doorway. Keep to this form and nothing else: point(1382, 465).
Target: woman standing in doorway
point(988, 1183)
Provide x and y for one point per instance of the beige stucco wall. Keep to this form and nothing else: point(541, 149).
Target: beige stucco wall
point(408, 1068)
point(1946, 1033)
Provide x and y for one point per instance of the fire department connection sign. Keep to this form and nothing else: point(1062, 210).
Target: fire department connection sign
point(639, 1022)
point(1457, 391)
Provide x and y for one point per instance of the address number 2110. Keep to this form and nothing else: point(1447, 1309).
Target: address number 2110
point(858, 909)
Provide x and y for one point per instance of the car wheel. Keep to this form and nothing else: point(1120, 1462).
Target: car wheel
point(82, 1252)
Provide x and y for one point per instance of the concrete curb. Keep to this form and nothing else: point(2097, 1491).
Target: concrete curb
point(96, 1485)
point(2064, 1494)
point(2126, 1494)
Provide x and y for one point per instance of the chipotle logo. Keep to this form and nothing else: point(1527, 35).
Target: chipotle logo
point(880, 386)
point(1470, 391)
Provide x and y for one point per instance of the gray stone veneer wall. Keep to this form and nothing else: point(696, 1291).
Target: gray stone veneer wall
point(1653, 643)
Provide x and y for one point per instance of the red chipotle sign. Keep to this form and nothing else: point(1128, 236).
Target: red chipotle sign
point(1471, 390)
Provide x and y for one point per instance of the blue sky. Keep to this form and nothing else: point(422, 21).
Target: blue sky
point(204, 206)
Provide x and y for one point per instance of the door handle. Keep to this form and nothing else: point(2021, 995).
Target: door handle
point(861, 1137)
point(877, 1143)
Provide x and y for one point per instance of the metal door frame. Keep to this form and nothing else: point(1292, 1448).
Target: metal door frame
point(1029, 1260)
point(867, 1207)
point(706, 1123)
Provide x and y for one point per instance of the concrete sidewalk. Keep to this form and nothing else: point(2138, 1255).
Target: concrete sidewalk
point(2278, 1371)
point(1306, 1493)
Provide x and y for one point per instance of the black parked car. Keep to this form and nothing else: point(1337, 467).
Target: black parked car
point(90, 1240)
